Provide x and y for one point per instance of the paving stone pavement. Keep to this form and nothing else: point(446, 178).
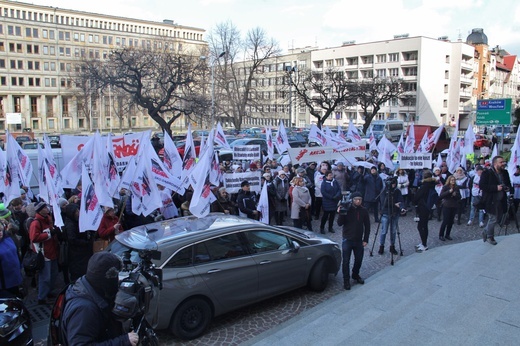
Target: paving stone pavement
point(242, 325)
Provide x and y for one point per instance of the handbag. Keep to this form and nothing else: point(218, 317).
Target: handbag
point(33, 261)
point(99, 245)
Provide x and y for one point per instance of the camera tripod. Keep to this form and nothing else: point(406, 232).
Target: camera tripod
point(507, 216)
point(389, 200)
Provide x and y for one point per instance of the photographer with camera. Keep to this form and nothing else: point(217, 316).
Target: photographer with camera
point(356, 230)
point(494, 183)
point(391, 208)
point(87, 317)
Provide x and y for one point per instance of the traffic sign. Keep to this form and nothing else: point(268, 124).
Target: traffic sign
point(493, 112)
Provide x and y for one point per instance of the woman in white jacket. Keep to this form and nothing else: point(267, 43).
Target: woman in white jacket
point(402, 184)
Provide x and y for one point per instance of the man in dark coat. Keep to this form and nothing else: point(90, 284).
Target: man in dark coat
point(494, 183)
point(331, 195)
point(373, 187)
point(87, 317)
point(356, 231)
point(247, 201)
point(425, 198)
point(80, 244)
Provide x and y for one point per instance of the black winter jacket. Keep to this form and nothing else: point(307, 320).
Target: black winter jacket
point(87, 318)
point(356, 224)
point(247, 202)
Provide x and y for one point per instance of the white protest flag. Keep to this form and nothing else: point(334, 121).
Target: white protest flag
point(263, 205)
point(19, 159)
point(386, 159)
point(99, 172)
point(146, 196)
point(317, 135)
point(10, 183)
point(469, 140)
point(328, 132)
point(51, 165)
point(173, 163)
point(410, 140)
point(128, 174)
point(49, 191)
point(200, 181)
point(338, 143)
point(189, 159)
point(71, 173)
point(270, 144)
point(114, 179)
point(220, 138)
point(372, 143)
point(90, 212)
point(433, 138)
point(385, 144)
point(423, 144)
point(494, 152)
point(281, 141)
point(452, 160)
point(400, 145)
point(439, 161)
point(215, 174)
point(341, 135)
point(514, 160)
point(160, 174)
point(352, 132)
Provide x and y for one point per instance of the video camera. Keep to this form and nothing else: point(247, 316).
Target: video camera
point(137, 300)
point(389, 182)
point(345, 203)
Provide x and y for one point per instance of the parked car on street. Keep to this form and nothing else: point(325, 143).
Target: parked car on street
point(55, 141)
point(221, 262)
point(481, 141)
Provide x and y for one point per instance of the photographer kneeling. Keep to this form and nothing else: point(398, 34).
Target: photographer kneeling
point(391, 208)
point(356, 230)
point(87, 316)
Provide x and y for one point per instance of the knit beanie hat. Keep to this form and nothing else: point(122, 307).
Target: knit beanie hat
point(103, 273)
point(4, 212)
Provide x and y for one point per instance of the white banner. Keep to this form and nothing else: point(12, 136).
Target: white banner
point(13, 118)
point(246, 152)
point(232, 181)
point(318, 154)
point(123, 147)
point(415, 161)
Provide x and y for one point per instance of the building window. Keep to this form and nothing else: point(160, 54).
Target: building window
point(2, 63)
point(35, 124)
point(66, 123)
point(81, 123)
point(381, 58)
point(34, 106)
point(17, 102)
point(381, 73)
point(50, 123)
point(393, 57)
point(393, 72)
point(65, 106)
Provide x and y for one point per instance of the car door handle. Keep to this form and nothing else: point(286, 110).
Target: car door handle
point(211, 271)
point(265, 262)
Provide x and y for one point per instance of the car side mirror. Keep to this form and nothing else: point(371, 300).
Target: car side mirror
point(295, 246)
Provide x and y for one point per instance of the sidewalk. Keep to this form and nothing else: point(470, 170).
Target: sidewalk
point(461, 294)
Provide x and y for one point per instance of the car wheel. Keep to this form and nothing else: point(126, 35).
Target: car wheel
point(319, 277)
point(191, 319)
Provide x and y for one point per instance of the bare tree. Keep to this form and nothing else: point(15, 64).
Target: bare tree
point(236, 63)
point(322, 92)
point(371, 94)
point(162, 82)
point(86, 91)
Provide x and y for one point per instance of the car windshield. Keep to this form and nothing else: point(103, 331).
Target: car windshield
point(378, 127)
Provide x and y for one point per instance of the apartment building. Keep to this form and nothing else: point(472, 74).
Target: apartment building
point(39, 48)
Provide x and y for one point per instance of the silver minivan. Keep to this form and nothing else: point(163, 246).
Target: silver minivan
point(392, 129)
point(222, 262)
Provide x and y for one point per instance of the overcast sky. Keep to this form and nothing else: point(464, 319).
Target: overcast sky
point(327, 23)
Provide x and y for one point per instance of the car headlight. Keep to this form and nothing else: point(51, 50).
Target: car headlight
point(9, 321)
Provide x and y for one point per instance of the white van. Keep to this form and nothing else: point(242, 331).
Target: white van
point(392, 129)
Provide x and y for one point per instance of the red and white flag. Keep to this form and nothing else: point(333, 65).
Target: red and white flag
point(201, 182)
point(91, 212)
point(220, 138)
point(270, 144)
point(469, 140)
point(10, 183)
point(50, 195)
point(317, 135)
point(72, 172)
point(146, 197)
point(410, 140)
point(423, 144)
point(400, 145)
point(173, 163)
point(352, 132)
point(372, 143)
point(20, 162)
point(385, 145)
point(433, 138)
point(514, 160)
point(100, 173)
point(189, 159)
point(281, 141)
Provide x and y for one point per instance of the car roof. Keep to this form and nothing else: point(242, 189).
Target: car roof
point(150, 236)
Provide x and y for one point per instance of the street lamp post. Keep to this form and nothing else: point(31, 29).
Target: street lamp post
point(213, 87)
